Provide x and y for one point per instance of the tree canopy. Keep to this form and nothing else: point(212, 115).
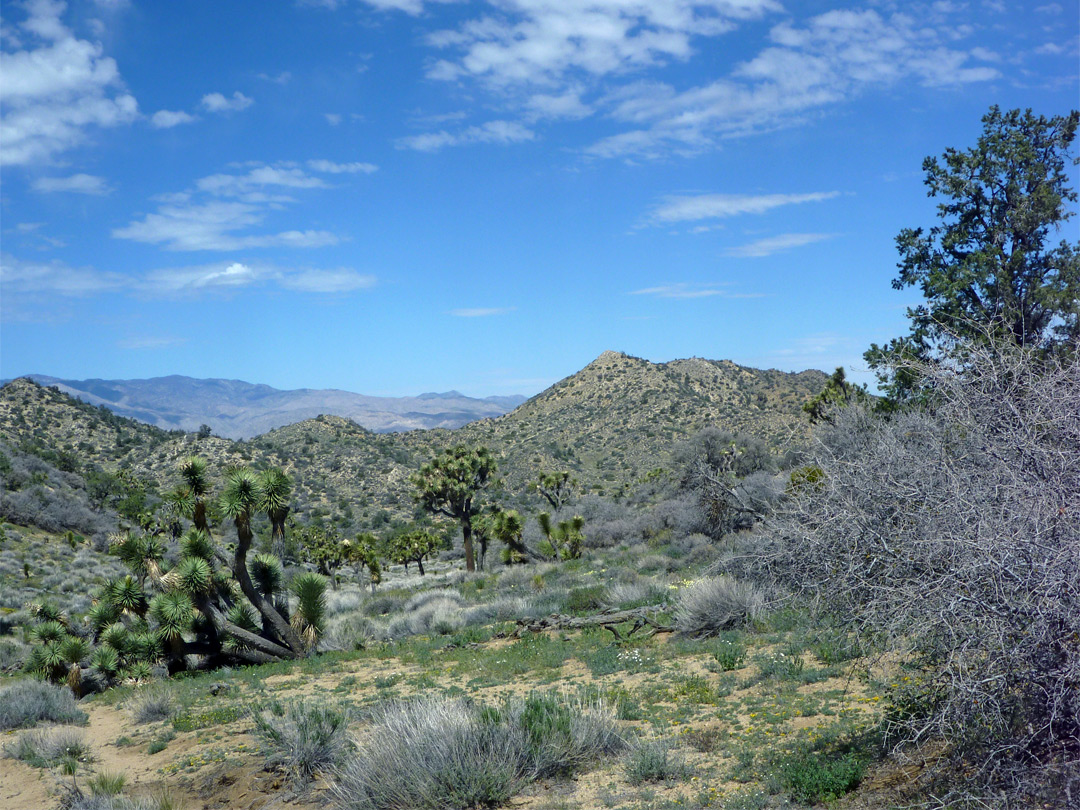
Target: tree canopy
point(991, 265)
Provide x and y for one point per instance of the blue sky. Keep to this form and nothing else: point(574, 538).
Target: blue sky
point(397, 196)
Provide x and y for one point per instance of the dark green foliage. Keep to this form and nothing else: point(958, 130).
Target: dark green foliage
point(837, 393)
point(990, 268)
point(813, 777)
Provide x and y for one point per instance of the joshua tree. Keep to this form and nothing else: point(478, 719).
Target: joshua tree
point(451, 484)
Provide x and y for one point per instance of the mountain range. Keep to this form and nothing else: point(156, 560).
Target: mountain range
point(236, 409)
point(612, 424)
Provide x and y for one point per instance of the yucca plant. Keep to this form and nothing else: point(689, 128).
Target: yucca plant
point(266, 574)
point(194, 576)
point(106, 660)
point(310, 615)
point(197, 543)
point(127, 595)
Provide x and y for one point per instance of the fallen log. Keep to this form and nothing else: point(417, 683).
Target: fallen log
point(610, 620)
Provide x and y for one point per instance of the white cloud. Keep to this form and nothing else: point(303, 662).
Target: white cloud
point(834, 57)
point(19, 278)
point(541, 42)
point(329, 167)
point(76, 184)
point(692, 208)
point(333, 119)
point(212, 226)
point(499, 132)
point(216, 102)
point(480, 312)
point(165, 119)
point(56, 92)
point(563, 105)
point(680, 290)
point(259, 177)
point(339, 280)
point(774, 244)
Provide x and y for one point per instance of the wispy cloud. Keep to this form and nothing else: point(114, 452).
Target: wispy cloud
point(480, 312)
point(57, 90)
point(75, 184)
point(27, 278)
point(696, 207)
point(498, 132)
point(150, 342)
point(686, 290)
point(834, 57)
point(329, 167)
point(775, 244)
point(220, 210)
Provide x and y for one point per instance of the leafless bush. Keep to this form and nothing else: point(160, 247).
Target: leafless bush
point(955, 532)
point(712, 605)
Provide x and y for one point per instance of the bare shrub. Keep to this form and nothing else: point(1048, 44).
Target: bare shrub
point(954, 532)
point(714, 604)
point(29, 702)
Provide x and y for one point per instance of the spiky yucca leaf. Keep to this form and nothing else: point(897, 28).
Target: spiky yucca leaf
point(225, 586)
point(139, 671)
point(102, 615)
point(310, 616)
point(195, 575)
point(127, 595)
point(193, 470)
point(106, 660)
point(197, 544)
point(173, 613)
point(51, 657)
point(240, 614)
point(73, 649)
point(266, 574)
point(275, 488)
point(146, 646)
point(240, 497)
point(47, 612)
point(118, 637)
point(48, 632)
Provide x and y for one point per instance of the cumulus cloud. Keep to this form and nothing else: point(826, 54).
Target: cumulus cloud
point(216, 102)
point(696, 207)
point(57, 90)
point(775, 244)
point(166, 119)
point(498, 132)
point(76, 184)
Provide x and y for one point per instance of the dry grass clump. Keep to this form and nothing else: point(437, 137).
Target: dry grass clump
point(715, 604)
point(438, 753)
point(151, 704)
point(304, 738)
point(26, 703)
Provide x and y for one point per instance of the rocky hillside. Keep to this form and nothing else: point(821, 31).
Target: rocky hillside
point(240, 410)
point(610, 423)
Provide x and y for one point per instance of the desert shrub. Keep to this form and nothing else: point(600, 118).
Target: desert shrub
point(151, 704)
point(562, 735)
point(26, 703)
point(424, 598)
point(654, 761)
point(955, 527)
point(303, 738)
point(429, 754)
point(44, 748)
point(439, 753)
point(715, 604)
point(348, 632)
